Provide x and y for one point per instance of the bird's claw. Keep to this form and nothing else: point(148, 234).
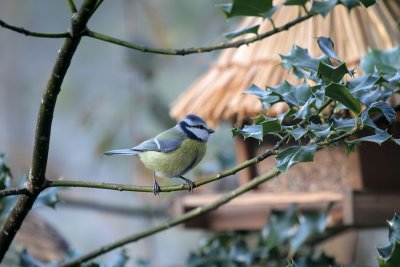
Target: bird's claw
point(156, 188)
point(190, 183)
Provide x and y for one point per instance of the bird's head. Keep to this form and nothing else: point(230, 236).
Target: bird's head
point(195, 128)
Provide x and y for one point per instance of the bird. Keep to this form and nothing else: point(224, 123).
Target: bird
point(174, 152)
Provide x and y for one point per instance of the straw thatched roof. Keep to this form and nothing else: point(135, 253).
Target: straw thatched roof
point(217, 95)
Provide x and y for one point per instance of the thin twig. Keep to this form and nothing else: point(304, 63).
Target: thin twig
point(72, 6)
point(180, 219)
point(13, 192)
point(180, 187)
point(34, 34)
point(187, 51)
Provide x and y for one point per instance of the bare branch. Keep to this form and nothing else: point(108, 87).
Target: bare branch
point(72, 6)
point(34, 34)
point(13, 192)
point(122, 187)
point(187, 51)
point(180, 219)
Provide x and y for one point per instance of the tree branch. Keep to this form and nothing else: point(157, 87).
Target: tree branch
point(187, 51)
point(43, 127)
point(180, 187)
point(14, 191)
point(180, 219)
point(72, 6)
point(34, 34)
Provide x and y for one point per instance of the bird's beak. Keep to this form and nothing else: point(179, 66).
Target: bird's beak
point(210, 131)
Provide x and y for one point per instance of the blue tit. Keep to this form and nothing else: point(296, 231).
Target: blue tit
point(174, 152)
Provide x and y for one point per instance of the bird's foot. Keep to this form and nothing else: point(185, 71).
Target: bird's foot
point(156, 188)
point(190, 183)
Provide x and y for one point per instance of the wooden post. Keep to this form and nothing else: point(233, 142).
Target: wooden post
point(245, 151)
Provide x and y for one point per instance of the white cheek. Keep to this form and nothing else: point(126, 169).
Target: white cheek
point(200, 133)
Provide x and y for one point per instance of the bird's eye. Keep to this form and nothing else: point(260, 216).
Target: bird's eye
point(201, 127)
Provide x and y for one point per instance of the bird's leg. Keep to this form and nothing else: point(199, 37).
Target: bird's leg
point(156, 186)
point(190, 183)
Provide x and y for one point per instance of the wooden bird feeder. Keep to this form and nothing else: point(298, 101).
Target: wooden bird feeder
point(364, 186)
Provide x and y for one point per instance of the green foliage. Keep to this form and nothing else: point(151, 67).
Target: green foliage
point(247, 8)
point(326, 81)
point(295, 154)
point(284, 234)
point(323, 7)
point(5, 174)
point(48, 198)
point(265, 8)
point(389, 255)
point(341, 94)
point(250, 29)
point(381, 61)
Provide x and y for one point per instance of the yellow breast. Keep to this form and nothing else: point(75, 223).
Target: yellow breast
point(177, 162)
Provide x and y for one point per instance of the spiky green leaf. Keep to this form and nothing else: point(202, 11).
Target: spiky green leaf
point(323, 7)
point(378, 138)
point(340, 93)
point(311, 224)
point(293, 155)
point(332, 73)
point(250, 29)
point(380, 107)
point(246, 8)
point(381, 61)
point(325, 43)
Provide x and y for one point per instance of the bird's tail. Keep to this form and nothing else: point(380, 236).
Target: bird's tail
point(122, 152)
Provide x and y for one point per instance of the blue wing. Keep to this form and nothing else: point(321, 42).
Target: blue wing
point(165, 142)
point(157, 145)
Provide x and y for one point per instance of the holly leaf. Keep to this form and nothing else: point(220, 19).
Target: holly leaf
point(272, 11)
point(300, 61)
point(378, 138)
point(332, 73)
point(280, 227)
point(381, 61)
point(295, 2)
point(293, 155)
point(350, 3)
point(267, 98)
point(306, 111)
point(325, 43)
point(311, 223)
point(255, 90)
point(396, 140)
point(323, 7)
point(271, 125)
point(5, 174)
point(319, 130)
point(250, 29)
point(340, 93)
point(368, 3)
point(253, 131)
point(49, 198)
point(246, 8)
point(381, 107)
point(298, 132)
point(389, 255)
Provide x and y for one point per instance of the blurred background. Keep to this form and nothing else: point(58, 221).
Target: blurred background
point(112, 97)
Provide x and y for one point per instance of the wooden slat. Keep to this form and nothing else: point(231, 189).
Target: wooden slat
point(251, 211)
point(363, 209)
